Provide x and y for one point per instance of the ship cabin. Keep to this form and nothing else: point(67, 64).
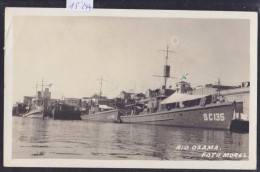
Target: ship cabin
point(175, 101)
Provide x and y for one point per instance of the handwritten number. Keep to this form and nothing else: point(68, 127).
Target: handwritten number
point(86, 7)
point(84, 4)
point(80, 5)
point(77, 5)
point(89, 7)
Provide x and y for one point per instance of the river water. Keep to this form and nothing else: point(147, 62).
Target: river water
point(37, 138)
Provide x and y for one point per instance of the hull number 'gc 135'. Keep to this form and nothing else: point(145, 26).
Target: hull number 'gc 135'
point(214, 117)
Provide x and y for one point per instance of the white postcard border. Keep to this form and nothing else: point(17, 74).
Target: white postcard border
point(80, 163)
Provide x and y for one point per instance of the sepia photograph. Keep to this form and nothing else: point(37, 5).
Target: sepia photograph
point(153, 89)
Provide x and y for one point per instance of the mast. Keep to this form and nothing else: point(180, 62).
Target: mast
point(166, 74)
point(166, 62)
point(100, 93)
point(36, 91)
point(218, 90)
point(101, 83)
point(42, 92)
point(42, 85)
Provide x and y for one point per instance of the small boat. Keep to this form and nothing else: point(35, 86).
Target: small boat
point(98, 111)
point(102, 113)
point(65, 112)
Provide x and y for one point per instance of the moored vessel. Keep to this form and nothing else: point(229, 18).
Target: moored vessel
point(37, 112)
point(100, 109)
point(211, 116)
point(102, 113)
point(38, 106)
point(183, 109)
point(65, 112)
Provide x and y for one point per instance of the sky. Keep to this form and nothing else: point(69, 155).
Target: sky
point(72, 53)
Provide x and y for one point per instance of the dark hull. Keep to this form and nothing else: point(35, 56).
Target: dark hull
point(216, 116)
point(106, 116)
point(66, 115)
point(239, 126)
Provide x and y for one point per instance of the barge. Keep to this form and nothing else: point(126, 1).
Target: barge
point(65, 112)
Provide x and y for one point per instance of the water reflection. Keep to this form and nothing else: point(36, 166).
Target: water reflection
point(37, 138)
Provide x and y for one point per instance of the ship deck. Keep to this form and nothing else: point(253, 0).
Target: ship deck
point(181, 109)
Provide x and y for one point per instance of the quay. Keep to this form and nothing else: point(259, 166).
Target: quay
point(130, 103)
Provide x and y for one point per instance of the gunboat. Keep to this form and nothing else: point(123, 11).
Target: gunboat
point(212, 116)
point(185, 110)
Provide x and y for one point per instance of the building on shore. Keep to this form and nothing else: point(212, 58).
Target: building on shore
point(151, 93)
point(211, 89)
point(85, 101)
point(139, 96)
point(27, 100)
point(73, 102)
point(96, 100)
point(53, 102)
point(126, 97)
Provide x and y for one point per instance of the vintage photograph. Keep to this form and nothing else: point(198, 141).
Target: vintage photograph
point(162, 87)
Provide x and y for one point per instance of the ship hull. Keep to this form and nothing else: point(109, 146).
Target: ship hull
point(66, 115)
point(217, 116)
point(34, 115)
point(106, 116)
